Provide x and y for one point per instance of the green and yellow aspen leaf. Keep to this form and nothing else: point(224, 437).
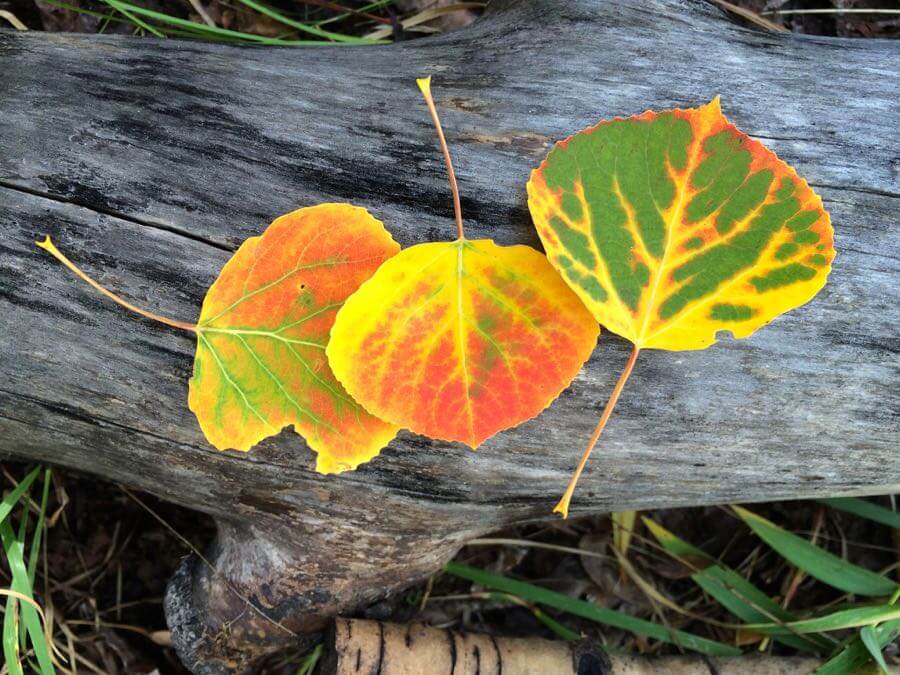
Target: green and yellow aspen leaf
point(260, 364)
point(673, 227)
point(459, 340)
point(261, 337)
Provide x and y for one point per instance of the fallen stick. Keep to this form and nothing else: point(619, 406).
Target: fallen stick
point(360, 646)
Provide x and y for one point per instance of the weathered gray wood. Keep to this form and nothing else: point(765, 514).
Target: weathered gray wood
point(150, 161)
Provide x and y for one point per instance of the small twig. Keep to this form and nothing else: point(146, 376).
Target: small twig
point(751, 16)
point(13, 19)
point(537, 544)
point(131, 603)
point(116, 626)
point(834, 10)
point(349, 10)
point(201, 10)
point(429, 586)
point(799, 574)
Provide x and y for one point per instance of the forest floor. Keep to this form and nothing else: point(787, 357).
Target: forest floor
point(108, 553)
point(403, 19)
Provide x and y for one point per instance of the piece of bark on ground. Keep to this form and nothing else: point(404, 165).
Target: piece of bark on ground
point(362, 646)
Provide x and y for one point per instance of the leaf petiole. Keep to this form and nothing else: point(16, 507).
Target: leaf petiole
point(48, 246)
point(425, 87)
point(563, 506)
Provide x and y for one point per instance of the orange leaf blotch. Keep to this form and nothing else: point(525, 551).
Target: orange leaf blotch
point(460, 340)
point(265, 321)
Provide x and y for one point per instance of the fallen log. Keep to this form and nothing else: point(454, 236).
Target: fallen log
point(150, 161)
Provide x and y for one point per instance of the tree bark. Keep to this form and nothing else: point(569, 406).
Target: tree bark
point(356, 646)
point(150, 161)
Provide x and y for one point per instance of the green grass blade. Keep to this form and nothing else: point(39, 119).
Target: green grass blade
point(131, 17)
point(864, 509)
point(14, 550)
point(590, 611)
point(34, 552)
point(816, 562)
point(552, 624)
point(20, 543)
point(310, 660)
point(855, 654)
point(11, 637)
point(845, 618)
point(733, 592)
point(9, 501)
point(306, 28)
point(870, 640)
point(555, 626)
point(88, 12)
point(212, 30)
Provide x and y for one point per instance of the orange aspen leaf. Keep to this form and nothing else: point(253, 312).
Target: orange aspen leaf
point(675, 226)
point(261, 337)
point(260, 363)
point(459, 340)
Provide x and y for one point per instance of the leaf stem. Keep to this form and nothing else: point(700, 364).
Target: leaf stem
point(425, 87)
point(563, 506)
point(48, 246)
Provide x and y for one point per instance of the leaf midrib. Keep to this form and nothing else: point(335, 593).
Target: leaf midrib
point(460, 335)
point(671, 223)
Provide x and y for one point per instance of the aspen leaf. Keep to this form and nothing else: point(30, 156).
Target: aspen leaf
point(261, 364)
point(459, 340)
point(673, 227)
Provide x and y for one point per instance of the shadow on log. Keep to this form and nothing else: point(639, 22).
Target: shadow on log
point(150, 161)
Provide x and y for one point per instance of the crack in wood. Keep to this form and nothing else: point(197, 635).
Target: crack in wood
point(120, 215)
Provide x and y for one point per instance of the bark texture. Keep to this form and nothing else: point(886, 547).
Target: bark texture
point(150, 161)
point(357, 647)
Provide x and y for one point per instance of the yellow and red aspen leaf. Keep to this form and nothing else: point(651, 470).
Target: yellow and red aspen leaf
point(675, 226)
point(261, 364)
point(459, 340)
